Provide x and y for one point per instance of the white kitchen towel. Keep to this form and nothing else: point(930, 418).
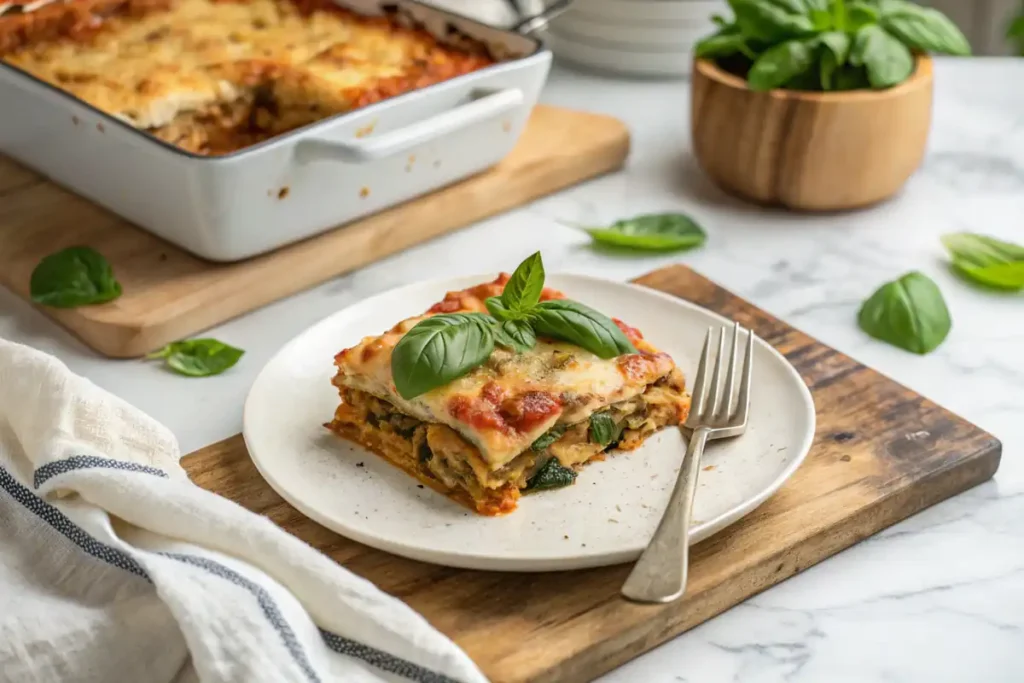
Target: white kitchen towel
point(115, 567)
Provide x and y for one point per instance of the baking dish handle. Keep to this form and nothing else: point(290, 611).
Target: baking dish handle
point(486, 108)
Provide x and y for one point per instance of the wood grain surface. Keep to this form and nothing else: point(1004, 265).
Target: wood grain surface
point(881, 453)
point(807, 150)
point(170, 294)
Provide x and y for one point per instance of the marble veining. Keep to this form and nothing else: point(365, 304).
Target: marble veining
point(937, 598)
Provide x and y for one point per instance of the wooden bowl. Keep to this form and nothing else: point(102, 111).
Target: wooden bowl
point(809, 150)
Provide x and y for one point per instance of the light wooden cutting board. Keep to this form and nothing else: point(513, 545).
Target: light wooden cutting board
point(170, 294)
point(880, 454)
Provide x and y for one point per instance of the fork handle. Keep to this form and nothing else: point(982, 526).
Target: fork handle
point(660, 574)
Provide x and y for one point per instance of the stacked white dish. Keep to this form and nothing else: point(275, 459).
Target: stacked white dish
point(652, 38)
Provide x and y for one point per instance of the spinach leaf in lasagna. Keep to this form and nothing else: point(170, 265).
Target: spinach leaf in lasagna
point(76, 276)
point(551, 475)
point(440, 349)
point(198, 357)
point(603, 430)
point(515, 334)
point(548, 438)
point(581, 325)
point(522, 291)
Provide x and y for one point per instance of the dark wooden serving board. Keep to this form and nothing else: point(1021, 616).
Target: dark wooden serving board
point(881, 454)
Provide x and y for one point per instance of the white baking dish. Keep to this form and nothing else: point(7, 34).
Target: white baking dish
point(298, 184)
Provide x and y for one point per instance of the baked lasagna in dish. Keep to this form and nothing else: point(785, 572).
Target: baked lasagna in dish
point(215, 76)
point(521, 420)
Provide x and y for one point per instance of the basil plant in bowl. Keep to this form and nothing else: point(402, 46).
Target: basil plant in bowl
point(817, 104)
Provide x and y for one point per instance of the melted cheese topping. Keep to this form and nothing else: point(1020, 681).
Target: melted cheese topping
point(503, 406)
point(149, 65)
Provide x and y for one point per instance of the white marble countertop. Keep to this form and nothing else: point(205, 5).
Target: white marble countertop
point(937, 598)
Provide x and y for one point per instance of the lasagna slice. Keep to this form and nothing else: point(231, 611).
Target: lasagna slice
point(522, 421)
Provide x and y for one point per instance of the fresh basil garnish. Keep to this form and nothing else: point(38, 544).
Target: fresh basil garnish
point(497, 308)
point(198, 357)
point(887, 60)
point(76, 276)
point(551, 475)
point(986, 260)
point(603, 429)
point(548, 438)
point(581, 325)
point(909, 313)
point(652, 232)
point(522, 291)
point(440, 349)
point(515, 334)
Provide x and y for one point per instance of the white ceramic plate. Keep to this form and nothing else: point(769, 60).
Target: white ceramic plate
point(605, 518)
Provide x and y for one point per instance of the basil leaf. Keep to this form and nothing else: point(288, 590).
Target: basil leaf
point(772, 20)
point(515, 334)
point(652, 232)
point(581, 325)
point(851, 78)
point(497, 308)
point(1015, 33)
point(440, 349)
point(552, 475)
point(859, 15)
point(835, 48)
point(887, 60)
point(780, 64)
point(603, 429)
point(923, 29)
point(523, 289)
point(198, 357)
point(548, 438)
point(76, 276)
point(909, 313)
point(986, 260)
point(721, 44)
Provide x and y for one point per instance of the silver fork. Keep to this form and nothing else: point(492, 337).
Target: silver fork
point(660, 573)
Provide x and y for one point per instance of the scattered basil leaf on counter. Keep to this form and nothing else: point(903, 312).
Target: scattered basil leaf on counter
point(986, 260)
point(887, 60)
point(922, 28)
point(603, 430)
point(909, 313)
point(581, 325)
point(522, 291)
point(515, 334)
point(440, 349)
point(76, 276)
point(551, 475)
point(652, 232)
point(198, 357)
point(548, 438)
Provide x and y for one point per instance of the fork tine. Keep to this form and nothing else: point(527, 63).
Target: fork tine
point(725, 409)
point(743, 403)
point(716, 376)
point(698, 391)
